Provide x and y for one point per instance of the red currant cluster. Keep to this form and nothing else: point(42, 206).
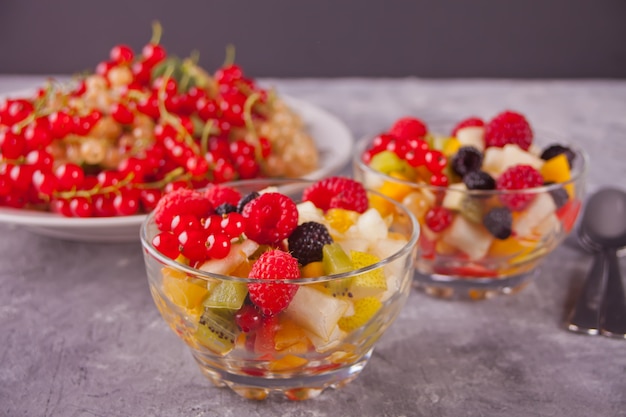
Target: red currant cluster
point(406, 139)
point(138, 127)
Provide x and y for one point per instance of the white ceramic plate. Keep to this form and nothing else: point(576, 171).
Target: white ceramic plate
point(332, 137)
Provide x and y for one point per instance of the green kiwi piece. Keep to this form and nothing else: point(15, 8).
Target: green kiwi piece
point(336, 261)
point(217, 331)
point(227, 294)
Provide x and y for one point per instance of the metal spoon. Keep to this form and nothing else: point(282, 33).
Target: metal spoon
point(601, 307)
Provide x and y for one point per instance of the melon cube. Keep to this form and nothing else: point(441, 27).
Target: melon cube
point(472, 136)
point(540, 208)
point(470, 238)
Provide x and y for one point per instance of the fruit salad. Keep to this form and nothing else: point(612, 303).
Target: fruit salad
point(111, 142)
point(283, 281)
point(491, 201)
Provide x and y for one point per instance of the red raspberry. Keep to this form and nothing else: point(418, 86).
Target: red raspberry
point(270, 218)
point(180, 201)
point(408, 128)
point(219, 194)
point(469, 122)
point(518, 177)
point(337, 192)
point(508, 127)
point(272, 298)
point(438, 218)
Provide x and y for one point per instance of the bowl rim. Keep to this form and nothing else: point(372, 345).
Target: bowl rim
point(410, 245)
point(579, 174)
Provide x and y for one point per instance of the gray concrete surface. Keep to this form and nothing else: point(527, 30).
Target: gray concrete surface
point(82, 337)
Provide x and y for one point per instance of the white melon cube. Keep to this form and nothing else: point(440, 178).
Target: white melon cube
point(551, 225)
point(540, 208)
point(492, 161)
point(372, 226)
point(316, 312)
point(307, 212)
point(455, 194)
point(472, 136)
point(356, 244)
point(326, 344)
point(239, 253)
point(470, 238)
point(514, 155)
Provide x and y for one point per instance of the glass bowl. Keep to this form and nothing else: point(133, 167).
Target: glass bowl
point(326, 335)
point(466, 260)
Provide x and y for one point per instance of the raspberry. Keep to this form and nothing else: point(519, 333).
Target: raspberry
point(180, 201)
point(438, 218)
point(469, 122)
point(467, 159)
point(270, 218)
point(479, 180)
point(272, 298)
point(220, 194)
point(499, 221)
point(408, 128)
point(307, 240)
point(508, 127)
point(337, 192)
point(518, 177)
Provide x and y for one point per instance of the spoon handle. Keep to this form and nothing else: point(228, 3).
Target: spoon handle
point(585, 317)
point(613, 314)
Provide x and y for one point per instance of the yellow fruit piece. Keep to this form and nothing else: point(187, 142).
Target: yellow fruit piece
point(511, 247)
point(557, 170)
point(451, 146)
point(312, 270)
point(341, 219)
point(291, 338)
point(243, 270)
point(417, 204)
point(394, 189)
point(383, 206)
point(181, 290)
point(368, 283)
point(364, 310)
point(287, 363)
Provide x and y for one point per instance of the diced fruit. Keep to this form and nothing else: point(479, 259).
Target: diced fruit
point(388, 162)
point(335, 260)
point(470, 238)
point(227, 294)
point(217, 331)
point(341, 219)
point(541, 207)
point(239, 253)
point(312, 270)
point(181, 290)
point(514, 155)
point(472, 136)
point(290, 337)
point(364, 310)
point(453, 199)
point(369, 283)
point(286, 363)
point(316, 312)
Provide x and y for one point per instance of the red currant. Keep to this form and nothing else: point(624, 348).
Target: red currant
point(121, 54)
point(167, 244)
point(218, 246)
point(438, 218)
point(248, 318)
point(435, 161)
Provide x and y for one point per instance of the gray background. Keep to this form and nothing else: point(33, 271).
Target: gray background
point(324, 38)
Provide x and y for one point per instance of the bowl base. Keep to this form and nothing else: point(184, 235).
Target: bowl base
point(259, 385)
point(475, 288)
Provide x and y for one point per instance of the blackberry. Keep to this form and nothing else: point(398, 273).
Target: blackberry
point(479, 180)
point(559, 195)
point(499, 221)
point(246, 199)
point(307, 241)
point(554, 150)
point(466, 160)
point(225, 208)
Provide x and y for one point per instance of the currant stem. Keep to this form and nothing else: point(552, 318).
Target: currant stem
point(230, 55)
point(157, 31)
point(204, 139)
point(247, 112)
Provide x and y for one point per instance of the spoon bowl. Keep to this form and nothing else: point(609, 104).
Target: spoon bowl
point(601, 307)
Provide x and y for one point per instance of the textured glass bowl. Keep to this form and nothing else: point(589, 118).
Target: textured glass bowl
point(465, 261)
point(295, 353)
